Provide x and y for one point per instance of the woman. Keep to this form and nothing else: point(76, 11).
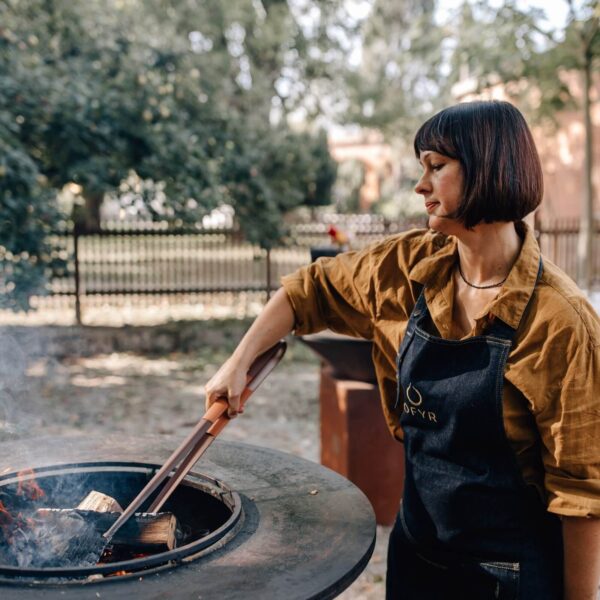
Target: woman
point(488, 362)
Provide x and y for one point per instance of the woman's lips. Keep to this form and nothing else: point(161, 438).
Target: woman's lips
point(429, 206)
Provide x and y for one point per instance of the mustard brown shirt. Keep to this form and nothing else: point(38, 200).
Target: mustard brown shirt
point(551, 396)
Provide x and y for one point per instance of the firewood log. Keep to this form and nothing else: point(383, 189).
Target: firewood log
point(100, 502)
point(142, 533)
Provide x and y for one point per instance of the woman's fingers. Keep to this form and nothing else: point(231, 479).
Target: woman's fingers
point(226, 384)
point(234, 404)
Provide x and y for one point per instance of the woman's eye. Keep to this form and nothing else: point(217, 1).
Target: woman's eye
point(437, 167)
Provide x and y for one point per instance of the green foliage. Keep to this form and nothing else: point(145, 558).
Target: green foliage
point(508, 44)
point(411, 60)
point(27, 216)
point(190, 95)
point(270, 174)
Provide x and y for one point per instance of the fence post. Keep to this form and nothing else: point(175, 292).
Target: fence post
point(268, 287)
point(77, 282)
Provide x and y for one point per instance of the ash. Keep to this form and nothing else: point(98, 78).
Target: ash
point(42, 542)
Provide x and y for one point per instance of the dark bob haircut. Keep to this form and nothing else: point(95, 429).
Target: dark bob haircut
point(501, 166)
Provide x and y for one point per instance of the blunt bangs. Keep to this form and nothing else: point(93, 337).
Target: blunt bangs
point(502, 172)
point(436, 135)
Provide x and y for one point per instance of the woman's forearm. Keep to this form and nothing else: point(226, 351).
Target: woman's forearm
point(581, 541)
point(274, 322)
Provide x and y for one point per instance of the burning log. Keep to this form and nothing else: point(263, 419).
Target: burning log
point(67, 537)
point(143, 533)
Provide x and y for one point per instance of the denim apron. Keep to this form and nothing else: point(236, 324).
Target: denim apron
point(468, 526)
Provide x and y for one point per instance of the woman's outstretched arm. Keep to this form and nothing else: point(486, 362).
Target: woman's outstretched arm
point(274, 322)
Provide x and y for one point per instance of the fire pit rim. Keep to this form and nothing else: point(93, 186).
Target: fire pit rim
point(138, 566)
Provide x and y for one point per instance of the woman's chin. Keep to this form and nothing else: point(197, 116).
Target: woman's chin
point(441, 224)
point(445, 225)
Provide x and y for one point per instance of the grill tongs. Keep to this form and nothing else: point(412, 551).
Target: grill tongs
point(196, 443)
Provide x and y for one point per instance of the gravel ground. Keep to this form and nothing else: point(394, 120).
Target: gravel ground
point(136, 394)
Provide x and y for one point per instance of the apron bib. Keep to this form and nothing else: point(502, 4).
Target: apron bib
point(469, 526)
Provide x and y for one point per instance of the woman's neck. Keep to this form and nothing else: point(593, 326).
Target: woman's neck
point(488, 252)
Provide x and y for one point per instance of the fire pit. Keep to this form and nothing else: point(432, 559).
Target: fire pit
point(260, 524)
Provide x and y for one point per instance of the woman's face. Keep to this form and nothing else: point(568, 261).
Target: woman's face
point(441, 186)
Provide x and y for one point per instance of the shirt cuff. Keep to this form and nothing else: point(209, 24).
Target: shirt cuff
point(302, 296)
point(573, 497)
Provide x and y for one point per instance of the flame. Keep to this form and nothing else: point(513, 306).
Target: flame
point(17, 527)
point(29, 487)
point(9, 523)
point(6, 519)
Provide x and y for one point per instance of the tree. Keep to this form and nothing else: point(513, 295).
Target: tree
point(579, 51)
point(401, 79)
point(28, 215)
point(538, 57)
point(93, 96)
point(404, 77)
point(181, 94)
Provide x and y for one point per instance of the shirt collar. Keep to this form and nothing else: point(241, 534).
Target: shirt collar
point(509, 305)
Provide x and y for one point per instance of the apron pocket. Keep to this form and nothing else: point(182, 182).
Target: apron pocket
point(504, 576)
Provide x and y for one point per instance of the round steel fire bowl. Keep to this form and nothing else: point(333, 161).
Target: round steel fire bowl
point(281, 526)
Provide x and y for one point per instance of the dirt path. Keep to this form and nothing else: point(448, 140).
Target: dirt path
point(136, 394)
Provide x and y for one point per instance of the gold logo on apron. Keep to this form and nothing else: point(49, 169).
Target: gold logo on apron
point(414, 396)
point(408, 392)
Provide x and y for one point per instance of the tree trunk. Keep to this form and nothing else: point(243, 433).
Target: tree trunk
point(91, 217)
point(586, 226)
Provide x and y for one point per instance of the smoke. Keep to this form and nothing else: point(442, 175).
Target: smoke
point(13, 364)
point(51, 538)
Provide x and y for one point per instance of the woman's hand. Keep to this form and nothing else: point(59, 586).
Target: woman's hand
point(228, 383)
point(274, 322)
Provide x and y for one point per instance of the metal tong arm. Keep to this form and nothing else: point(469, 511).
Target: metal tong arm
point(259, 369)
point(219, 423)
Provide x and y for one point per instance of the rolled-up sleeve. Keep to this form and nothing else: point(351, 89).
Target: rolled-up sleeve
point(569, 425)
point(335, 293)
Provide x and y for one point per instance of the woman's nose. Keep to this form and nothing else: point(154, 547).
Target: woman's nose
point(423, 186)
